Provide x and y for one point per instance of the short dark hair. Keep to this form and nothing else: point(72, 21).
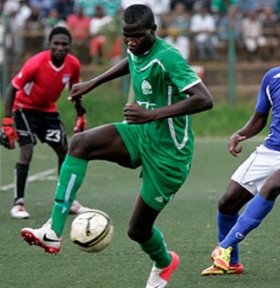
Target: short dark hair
point(138, 12)
point(60, 30)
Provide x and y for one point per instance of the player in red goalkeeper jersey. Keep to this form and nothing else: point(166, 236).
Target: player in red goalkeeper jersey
point(30, 110)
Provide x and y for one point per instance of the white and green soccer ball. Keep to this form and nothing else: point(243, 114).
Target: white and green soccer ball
point(92, 231)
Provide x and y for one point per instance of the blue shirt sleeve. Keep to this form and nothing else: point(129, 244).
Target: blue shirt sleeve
point(263, 104)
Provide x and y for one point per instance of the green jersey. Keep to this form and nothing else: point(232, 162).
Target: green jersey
point(159, 79)
point(222, 5)
point(110, 7)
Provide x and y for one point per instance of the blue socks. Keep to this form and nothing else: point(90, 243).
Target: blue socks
point(254, 213)
point(225, 223)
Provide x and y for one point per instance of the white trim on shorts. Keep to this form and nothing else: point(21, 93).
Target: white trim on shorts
point(254, 171)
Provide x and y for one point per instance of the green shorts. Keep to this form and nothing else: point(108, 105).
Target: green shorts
point(162, 175)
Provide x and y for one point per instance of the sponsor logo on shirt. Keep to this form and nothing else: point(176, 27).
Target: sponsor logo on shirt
point(146, 88)
point(65, 78)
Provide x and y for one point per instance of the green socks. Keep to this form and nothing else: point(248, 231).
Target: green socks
point(155, 247)
point(71, 177)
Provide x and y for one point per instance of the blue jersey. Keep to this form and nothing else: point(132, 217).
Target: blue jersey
point(269, 99)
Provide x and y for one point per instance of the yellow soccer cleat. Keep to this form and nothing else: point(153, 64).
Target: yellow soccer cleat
point(221, 257)
point(233, 269)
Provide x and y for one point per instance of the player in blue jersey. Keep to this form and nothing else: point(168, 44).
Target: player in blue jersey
point(157, 135)
point(256, 180)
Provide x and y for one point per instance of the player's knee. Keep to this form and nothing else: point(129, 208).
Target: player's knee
point(26, 153)
point(78, 146)
point(223, 205)
point(271, 189)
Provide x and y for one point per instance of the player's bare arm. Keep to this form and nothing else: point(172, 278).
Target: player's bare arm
point(120, 69)
point(8, 133)
point(255, 125)
point(199, 100)
point(9, 100)
point(136, 114)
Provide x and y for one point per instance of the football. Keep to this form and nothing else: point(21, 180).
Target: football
point(92, 231)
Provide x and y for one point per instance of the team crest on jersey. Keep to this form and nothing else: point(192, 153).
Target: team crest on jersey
point(146, 88)
point(65, 78)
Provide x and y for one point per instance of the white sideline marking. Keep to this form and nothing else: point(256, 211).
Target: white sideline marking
point(31, 178)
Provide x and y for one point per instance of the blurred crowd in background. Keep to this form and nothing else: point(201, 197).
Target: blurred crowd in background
point(200, 29)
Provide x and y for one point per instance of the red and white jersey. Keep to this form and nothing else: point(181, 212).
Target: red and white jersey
point(40, 82)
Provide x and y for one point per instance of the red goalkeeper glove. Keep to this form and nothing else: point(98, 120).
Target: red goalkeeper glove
point(80, 123)
point(8, 133)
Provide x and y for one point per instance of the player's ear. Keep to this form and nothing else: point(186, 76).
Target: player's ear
point(154, 27)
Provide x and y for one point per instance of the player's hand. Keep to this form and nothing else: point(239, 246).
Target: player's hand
point(78, 90)
point(80, 124)
point(136, 114)
point(8, 133)
point(233, 148)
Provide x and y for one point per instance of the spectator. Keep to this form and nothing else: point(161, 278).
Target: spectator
point(159, 7)
point(2, 35)
point(204, 30)
point(223, 28)
point(34, 32)
point(227, 21)
point(44, 6)
point(98, 40)
point(225, 7)
point(117, 50)
point(113, 33)
point(34, 22)
point(245, 6)
point(10, 7)
point(277, 9)
point(270, 33)
point(252, 35)
point(110, 7)
point(189, 4)
point(18, 20)
point(178, 26)
point(4, 31)
point(179, 42)
point(180, 19)
point(2, 39)
point(263, 4)
point(79, 24)
point(64, 8)
point(51, 21)
point(116, 53)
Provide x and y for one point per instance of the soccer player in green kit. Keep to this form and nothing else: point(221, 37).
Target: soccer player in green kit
point(156, 135)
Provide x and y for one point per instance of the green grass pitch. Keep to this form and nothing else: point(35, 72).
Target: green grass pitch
point(188, 224)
